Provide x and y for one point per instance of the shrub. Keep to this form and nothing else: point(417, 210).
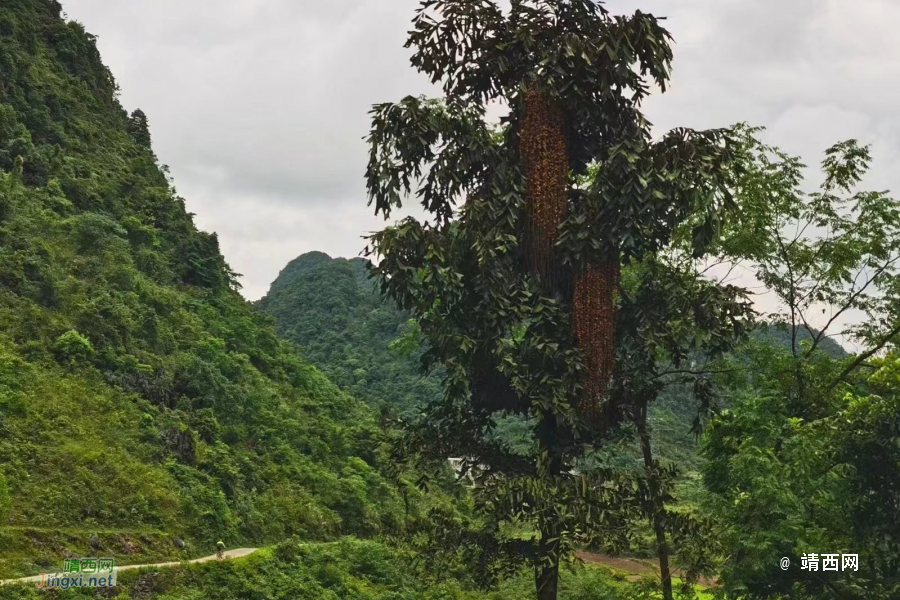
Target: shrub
point(288, 550)
point(5, 500)
point(72, 347)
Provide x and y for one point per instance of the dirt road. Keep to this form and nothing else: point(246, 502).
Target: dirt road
point(237, 553)
point(636, 567)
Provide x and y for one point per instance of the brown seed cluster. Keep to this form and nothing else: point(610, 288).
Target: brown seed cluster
point(545, 158)
point(544, 152)
point(595, 314)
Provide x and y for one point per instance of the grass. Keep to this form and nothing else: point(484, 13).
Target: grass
point(349, 568)
point(32, 550)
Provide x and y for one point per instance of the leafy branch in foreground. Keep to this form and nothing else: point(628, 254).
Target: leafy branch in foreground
point(805, 460)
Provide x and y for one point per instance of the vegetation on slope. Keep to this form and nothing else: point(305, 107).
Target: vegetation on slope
point(349, 568)
point(138, 391)
point(332, 311)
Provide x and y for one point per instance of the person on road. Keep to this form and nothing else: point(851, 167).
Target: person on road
point(220, 549)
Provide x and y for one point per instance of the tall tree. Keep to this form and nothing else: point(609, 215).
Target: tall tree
point(138, 128)
point(516, 289)
point(673, 320)
point(805, 461)
point(826, 256)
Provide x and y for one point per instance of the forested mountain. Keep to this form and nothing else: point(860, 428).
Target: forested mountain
point(147, 410)
point(781, 336)
point(141, 398)
point(332, 311)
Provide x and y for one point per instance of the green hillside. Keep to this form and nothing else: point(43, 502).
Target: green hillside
point(331, 310)
point(781, 336)
point(144, 403)
point(141, 398)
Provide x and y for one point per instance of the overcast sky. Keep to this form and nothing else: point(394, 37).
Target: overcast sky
point(259, 107)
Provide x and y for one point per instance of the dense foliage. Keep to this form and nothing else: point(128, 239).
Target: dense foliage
point(515, 282)
point(805, 461)
point(332, 311)
point(138, 391)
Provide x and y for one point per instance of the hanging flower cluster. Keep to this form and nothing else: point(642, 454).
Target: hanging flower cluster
point(545, 159)
point(544, 154)
point(594, 321)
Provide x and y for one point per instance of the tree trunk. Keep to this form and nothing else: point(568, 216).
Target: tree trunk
point(657, 509)
point(546, 565)
point(543, 147)
point(546, 574)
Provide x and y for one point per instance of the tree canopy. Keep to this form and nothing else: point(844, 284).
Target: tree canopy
point(515, 282)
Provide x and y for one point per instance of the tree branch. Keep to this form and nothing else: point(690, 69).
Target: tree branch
point(863, 358)
point(849, 303)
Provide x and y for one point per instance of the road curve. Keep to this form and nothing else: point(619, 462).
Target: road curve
point(237, 553)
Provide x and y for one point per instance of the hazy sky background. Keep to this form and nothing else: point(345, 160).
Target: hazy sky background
point(259, 107)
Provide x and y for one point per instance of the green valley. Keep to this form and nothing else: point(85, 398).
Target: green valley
point(141, 398)
point(597, 362)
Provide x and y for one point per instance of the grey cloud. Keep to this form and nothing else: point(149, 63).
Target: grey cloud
point(260, 109)
point(260, 106)
point(280, 107)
